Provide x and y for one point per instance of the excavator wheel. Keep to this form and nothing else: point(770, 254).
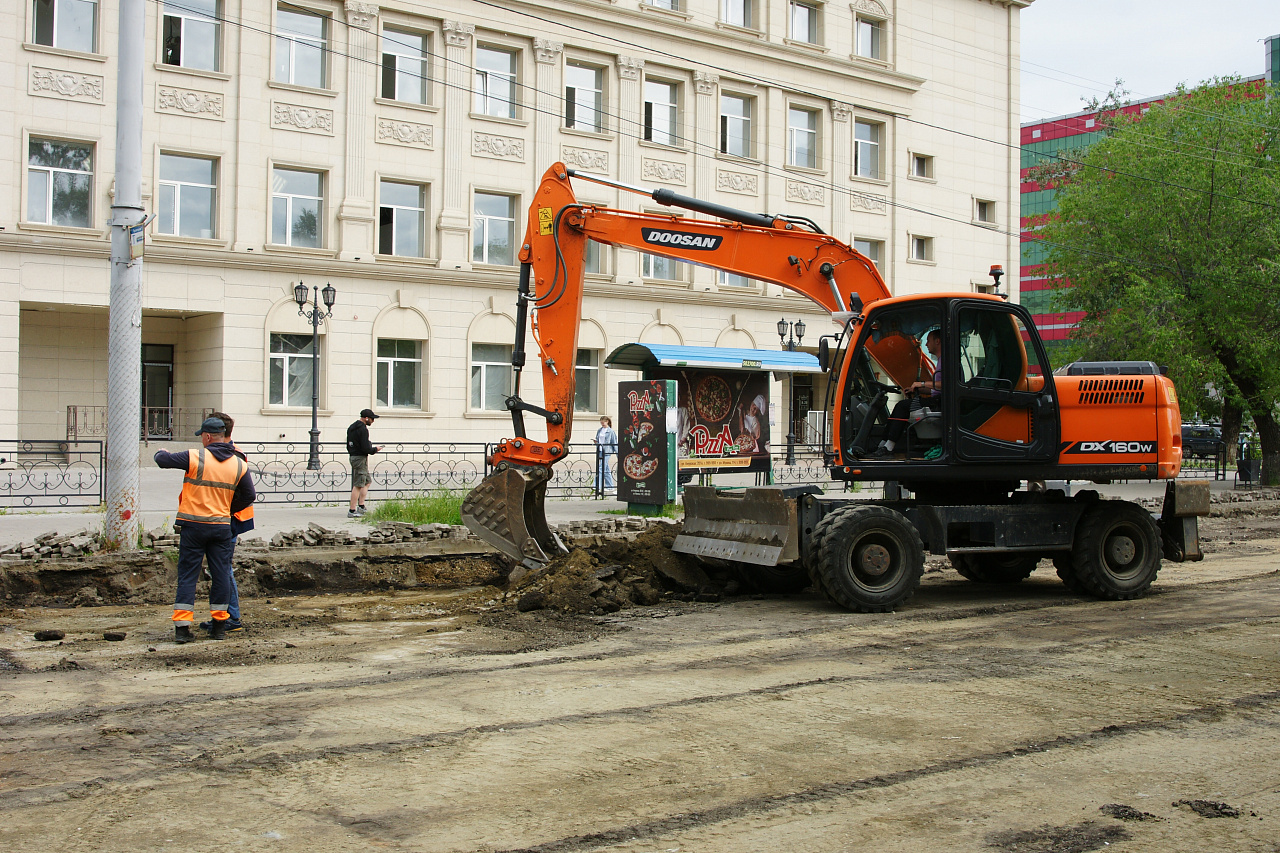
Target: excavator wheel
point(1117, 550)
point(870, 558)
point(995, 568)
point(1067, 573)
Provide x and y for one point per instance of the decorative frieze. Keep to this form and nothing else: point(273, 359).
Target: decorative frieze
point(742, 183)
point(547, 52)
point(868, 202)
point(665, 171)
point(705, 83)
point(361, 14)
point(49, 83)
point(840, 112)
point(458, 34)
point(630, 68)
point(871, 7)
point(806, 193)
point(306, 119)
point(405, 133)
point(497, 147)
point(585, 159)
point(188, 102)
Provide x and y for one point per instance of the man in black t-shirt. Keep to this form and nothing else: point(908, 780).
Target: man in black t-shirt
point(359, 448)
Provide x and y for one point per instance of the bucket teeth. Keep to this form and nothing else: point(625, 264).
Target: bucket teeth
point(507, 511)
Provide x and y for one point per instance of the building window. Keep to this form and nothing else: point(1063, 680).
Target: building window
point(60, 183)
point(494, 235)
point(728, 279)
point(191, 34)
point(593, 260)
point(188, 196)
point(921, 166)
point(491, 374)
point(803, 22)
point(802, 138)
point(671, 5)
point(68, 24)
point(290, 370)
point(738, 13)
point(873, 250)
point(984, 211)
point(584, 97)
point(866, 149)
point(662, 112)
point(405, 66)
point(921, 248)
point(586, 376)
point(302, 39)
point(735, 125)
point(868, 37)
point(297, 208)
point(399, 374)
point(402, 213)
point(495, 84)
point(657, 267)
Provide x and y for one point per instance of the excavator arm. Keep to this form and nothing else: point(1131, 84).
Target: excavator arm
point(507, 508)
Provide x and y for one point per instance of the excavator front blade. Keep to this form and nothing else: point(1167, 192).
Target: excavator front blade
point(507, 511)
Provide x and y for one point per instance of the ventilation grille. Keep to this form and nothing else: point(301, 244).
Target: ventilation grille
point(1103, 392)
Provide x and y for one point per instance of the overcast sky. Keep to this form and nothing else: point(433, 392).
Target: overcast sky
point(1075, 49)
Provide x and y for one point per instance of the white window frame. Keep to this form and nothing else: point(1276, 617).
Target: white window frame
point(745, 124)
point(743, 9)
point(288, 41)
point(50, 172)
point(481, 244)
point(399, 59)
point(984, 211)
point(669, 5)
point(384, 390)
point(487, 104)
point(864, 149)
point(396, 212)
point(285, 359)
point(920, 249)
point(185, 14)
point(651, 265)
point(812, 22)
point(591, 98)
point(916, 161)
point(867, 28)
point(730, 279)
point(177, 185)
point(668, 108)
point(58, 35)
point(587, 378)
point(796, 134)
point(482, 370)
point(871, 248)
point(289, 198)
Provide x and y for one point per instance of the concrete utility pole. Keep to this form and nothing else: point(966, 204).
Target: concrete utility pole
point(124, 344)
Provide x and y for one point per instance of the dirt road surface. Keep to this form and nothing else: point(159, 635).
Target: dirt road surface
point(977, 718)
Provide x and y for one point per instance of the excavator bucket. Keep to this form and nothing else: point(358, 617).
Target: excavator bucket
point(507, 511)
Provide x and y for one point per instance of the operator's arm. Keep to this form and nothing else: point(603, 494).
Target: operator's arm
point(165, 459)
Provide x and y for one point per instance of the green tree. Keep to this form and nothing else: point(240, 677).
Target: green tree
point(1168, 233)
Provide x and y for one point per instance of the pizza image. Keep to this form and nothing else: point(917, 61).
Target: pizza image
point(645, 429)
point(637, 467)
point(744, 444)
point(712, 399)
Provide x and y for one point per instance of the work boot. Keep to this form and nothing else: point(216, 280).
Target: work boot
point(233, 626)
point(182, 634)
point(218, 629)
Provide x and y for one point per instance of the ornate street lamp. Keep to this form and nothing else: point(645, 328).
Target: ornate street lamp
point(789, 343)
point(315, 315)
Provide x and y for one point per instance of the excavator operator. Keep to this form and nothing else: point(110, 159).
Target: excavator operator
point(930, 390)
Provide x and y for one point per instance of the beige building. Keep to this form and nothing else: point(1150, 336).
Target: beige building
point(390, 151)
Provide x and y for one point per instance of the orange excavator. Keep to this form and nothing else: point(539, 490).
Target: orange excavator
point(946, 397)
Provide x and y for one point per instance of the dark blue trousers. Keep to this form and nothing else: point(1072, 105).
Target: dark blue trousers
point(199, 542)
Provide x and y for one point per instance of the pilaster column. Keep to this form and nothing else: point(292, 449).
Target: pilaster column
point(705, 131)
point(355, 213)
point(547, 82)
point(841, 152)
point(630, 111)
point(454, 224)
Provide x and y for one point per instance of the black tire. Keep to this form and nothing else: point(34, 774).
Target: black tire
point(773, 579)
point(1067, 573)
point(995, 568)
point(870, 558)
point(1117, 551)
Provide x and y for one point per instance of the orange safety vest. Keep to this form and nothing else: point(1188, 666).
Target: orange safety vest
point(208, 488)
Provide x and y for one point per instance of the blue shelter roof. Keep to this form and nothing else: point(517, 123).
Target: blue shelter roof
point(641, 356)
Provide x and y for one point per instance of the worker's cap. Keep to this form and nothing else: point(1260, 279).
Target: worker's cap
point(368, 413)
point(215, 426)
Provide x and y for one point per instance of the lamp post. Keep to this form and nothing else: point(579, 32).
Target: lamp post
point(315, 315)
point(789, 343)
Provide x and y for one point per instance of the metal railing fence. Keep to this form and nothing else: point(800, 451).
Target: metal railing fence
point(47, 474)
point(155, 423)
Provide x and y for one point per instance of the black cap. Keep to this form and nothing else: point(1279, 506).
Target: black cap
point(213, 425)
point(368, 413)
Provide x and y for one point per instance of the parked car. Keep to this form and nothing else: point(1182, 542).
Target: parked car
point(1201, 440)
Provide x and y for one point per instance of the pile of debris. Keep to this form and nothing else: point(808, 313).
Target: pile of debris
point(55, 545)
point(317, 535)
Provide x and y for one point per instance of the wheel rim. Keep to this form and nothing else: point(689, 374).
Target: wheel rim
point(1123, 551)
point(876, 560)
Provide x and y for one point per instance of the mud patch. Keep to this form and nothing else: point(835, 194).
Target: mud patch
point(1058, 839)
point(1120, 811)
point(1209, 808)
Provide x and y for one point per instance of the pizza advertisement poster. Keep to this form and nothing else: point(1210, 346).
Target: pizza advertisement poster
point(722, 420)
point(645, 472)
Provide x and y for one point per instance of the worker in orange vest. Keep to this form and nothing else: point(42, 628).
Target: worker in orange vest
point(216, 478)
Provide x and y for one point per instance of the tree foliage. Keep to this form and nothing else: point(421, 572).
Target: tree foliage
point(1168, 233)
